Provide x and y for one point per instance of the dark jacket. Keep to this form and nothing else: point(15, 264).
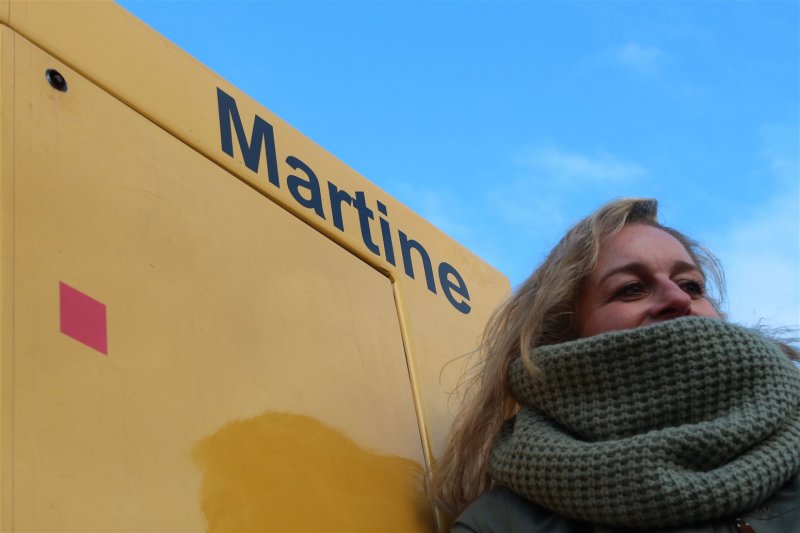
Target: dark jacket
point(502, 511)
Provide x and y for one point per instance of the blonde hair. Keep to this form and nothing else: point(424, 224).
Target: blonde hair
point(540, 311)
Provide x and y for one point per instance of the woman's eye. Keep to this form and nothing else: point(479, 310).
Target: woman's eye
point(693, 288)
point(630, 290)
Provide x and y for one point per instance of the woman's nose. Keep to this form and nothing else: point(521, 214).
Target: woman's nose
point(671, 302)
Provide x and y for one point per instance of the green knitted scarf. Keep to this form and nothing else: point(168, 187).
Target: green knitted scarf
point(680, 422)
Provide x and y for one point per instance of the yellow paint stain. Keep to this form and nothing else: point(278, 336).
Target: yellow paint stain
point(289, 472)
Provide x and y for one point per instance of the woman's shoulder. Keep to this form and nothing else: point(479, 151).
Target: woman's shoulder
point(502, 510)
point(781, 512)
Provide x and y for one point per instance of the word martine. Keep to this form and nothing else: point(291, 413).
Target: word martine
point(307, 192)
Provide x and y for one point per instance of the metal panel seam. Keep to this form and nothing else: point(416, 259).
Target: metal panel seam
point(7, 269)
point(412, 372)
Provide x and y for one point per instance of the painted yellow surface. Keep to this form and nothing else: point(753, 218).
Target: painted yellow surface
point(240, 492)
point(269, 367)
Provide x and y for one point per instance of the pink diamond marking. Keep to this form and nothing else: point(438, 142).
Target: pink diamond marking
point(83, 318)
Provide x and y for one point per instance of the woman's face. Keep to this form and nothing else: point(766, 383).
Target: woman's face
point(643, 275)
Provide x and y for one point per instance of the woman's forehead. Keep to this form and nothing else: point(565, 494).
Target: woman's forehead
point(641, 243)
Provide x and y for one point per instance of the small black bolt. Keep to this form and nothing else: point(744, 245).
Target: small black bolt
point(56, 80)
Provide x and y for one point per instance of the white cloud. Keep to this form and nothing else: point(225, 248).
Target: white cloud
point(762, 266)
point(442, 208)
point(525, 206)
point(647, 60)
point(781, 151)
point(563, 165)
point(761, 250)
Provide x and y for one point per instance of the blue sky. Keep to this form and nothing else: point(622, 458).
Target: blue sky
point(505, 122)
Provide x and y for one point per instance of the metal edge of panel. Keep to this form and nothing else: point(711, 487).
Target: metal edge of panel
point(422, 423)
point(6, 277)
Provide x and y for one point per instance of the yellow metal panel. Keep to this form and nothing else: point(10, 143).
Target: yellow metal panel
point(255, 378)
point(104, 44)
point(6, 274)
point(160, 81)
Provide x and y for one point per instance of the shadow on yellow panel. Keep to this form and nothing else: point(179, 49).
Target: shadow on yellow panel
point(288, 472)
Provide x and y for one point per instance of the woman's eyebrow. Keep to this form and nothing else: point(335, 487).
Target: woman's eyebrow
point(628, 268)
point(679, 267)
point(683, 266)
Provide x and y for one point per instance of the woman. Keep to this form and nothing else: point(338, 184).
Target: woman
point(613, 396)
